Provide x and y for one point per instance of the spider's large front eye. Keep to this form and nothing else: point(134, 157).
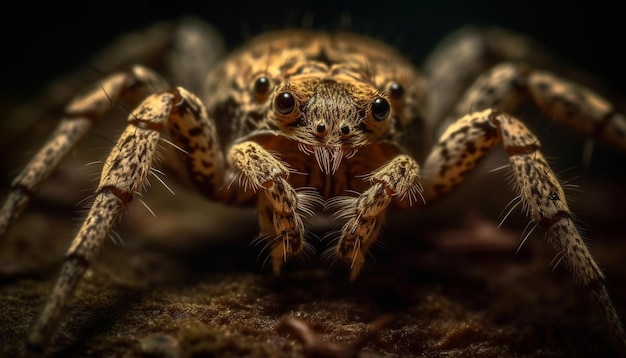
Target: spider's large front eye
point(380, 109)
point(284, 103)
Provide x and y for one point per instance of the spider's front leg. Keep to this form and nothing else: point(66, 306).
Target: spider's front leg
point(397, 179)
point(279, 219)
point(124, 175)
point(468, 140)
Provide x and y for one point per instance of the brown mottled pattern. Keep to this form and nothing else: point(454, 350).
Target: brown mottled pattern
point(328, 137)
point(298, 121)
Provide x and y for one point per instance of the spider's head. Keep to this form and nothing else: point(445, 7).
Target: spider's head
point(331, 117)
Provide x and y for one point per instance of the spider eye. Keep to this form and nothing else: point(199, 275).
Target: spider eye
point(396, 91)
point(284, 103)
point(261, 85)
point(380, 109)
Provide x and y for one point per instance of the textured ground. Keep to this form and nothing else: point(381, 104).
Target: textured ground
point(189, 284)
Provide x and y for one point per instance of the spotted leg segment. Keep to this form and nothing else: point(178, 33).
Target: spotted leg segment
point(80, 116)
point(505, 86)
point(467, 141)
point(396, 180)
point(124, 175)
point(465, 55)
point(281, 224)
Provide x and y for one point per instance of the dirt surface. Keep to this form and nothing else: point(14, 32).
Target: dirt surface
point(188, 283)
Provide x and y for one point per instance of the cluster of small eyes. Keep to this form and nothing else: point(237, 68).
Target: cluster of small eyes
point(284, 102)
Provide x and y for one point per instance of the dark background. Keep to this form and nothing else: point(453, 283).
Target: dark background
point(44, 40)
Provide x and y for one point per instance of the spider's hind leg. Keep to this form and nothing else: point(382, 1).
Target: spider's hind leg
point(80, 116)
point(507, 85)
point(466, 54)
point(181, 51)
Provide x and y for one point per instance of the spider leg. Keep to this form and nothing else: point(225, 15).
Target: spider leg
point(468, 140)
point(178, 49)
point(80, 116)
point(123, 176)
point(396, 180)
point(457, 61)
point(280, 223)
point(506, 85)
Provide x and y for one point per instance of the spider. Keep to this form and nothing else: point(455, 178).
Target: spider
point(300, 122)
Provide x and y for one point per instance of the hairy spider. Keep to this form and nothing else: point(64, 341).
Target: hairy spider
point(301, 122)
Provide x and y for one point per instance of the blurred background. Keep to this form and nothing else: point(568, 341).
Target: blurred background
point(45, 40)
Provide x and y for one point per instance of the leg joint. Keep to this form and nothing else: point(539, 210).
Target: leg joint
point(547, 222)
